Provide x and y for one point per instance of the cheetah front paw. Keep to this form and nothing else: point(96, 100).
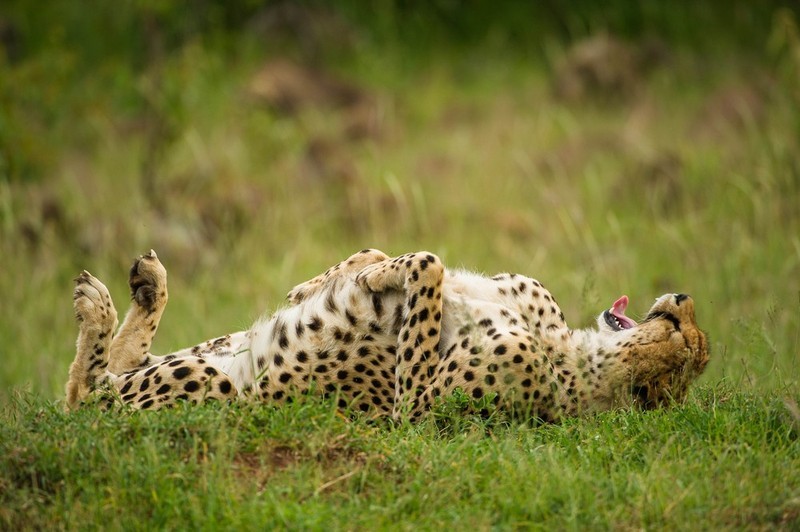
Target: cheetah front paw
point(93, 305)
point(301, 292)
point(380, 277)
point(148, 282)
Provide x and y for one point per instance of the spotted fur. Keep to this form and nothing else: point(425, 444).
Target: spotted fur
point(389, 336)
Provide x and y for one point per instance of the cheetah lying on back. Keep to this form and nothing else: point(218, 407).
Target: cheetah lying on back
point(389, 336)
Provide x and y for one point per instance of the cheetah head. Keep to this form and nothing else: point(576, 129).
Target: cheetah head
point(663, 353)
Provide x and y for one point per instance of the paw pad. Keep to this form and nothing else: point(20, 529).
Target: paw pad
point(92, 302)
point(148, 281)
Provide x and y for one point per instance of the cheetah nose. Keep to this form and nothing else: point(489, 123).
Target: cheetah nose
point(679, 298)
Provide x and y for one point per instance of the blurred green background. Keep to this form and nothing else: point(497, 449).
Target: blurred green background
point(603, 148)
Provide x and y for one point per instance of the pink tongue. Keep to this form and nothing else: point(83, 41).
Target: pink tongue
point(618, 311)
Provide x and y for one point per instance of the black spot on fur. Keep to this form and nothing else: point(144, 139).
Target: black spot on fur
point(182, 372)
point(330, 303)
point(377, 305)
point(283, 341)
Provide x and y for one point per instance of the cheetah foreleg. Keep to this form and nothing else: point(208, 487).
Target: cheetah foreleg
point(352, 265)
point(420, 276)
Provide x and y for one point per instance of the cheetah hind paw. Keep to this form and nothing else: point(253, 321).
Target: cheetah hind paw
point(148, 281)
point(92, 303)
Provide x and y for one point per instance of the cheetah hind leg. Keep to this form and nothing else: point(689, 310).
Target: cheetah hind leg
point(420, 276)
point(97, 321)
point(352, 265)
point(148, 284)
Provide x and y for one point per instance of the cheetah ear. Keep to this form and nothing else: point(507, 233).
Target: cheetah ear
point(659, 391)
point(641, 395)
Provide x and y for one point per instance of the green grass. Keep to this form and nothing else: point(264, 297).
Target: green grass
point(691, 185)
point(725, 460)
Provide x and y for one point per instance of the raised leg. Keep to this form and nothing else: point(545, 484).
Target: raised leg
point(352, 265)
point(131, 346)
point(420, 276)
point(97, 321)
point(123, 362)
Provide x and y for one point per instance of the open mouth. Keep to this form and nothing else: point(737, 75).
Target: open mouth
point(615, 316)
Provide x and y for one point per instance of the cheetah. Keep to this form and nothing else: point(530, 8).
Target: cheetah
point(389, 337)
